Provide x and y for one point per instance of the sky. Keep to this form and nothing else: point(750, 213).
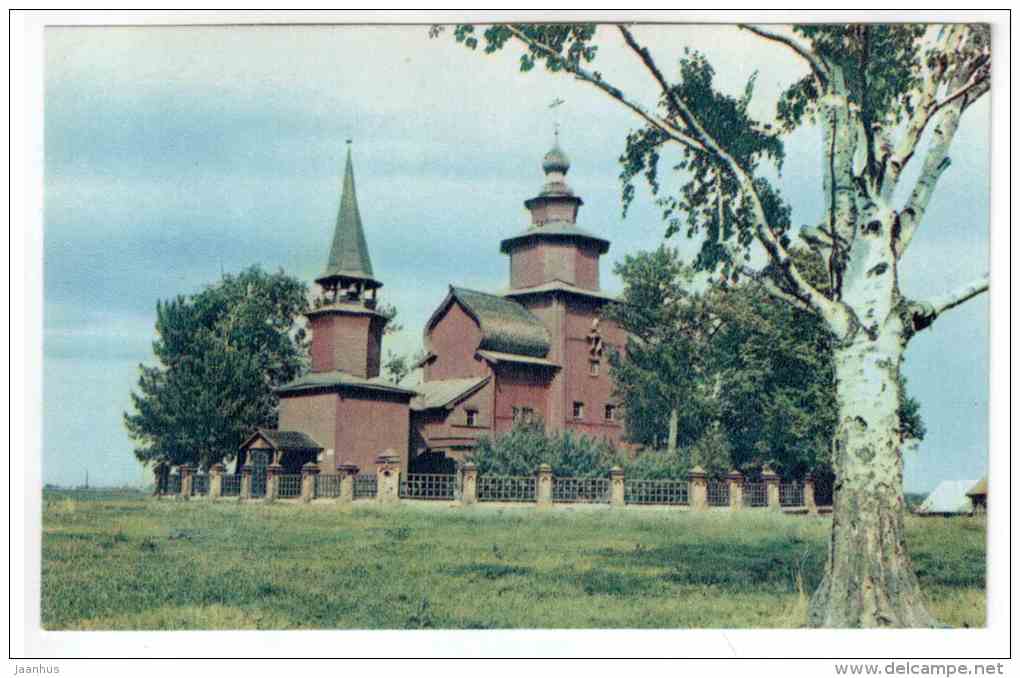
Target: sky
point(172, 154)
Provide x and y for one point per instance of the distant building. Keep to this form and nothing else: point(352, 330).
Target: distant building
point(536, 350)
point(949, 498)
point(979, 496)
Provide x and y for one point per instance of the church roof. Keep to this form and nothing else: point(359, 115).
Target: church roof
point(497, 357)
point(558, 286)
point(348, 255)
point(506, 326)
point(285, 440)
point(554, 230)
point(336, 379)
point(556, 160)
point(445, 392)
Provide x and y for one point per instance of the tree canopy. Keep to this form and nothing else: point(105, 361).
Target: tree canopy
point(727, 356)
point(220, 354)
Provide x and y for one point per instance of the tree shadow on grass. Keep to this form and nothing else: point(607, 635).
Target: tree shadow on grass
point(767, 565)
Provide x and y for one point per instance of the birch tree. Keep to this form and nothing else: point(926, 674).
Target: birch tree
point(874, 91)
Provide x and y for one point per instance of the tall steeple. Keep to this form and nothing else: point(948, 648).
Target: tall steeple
point(349, 266)
point(347, 329)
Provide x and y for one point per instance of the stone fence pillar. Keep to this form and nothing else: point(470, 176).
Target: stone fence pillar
point(186, 480)
point(216, 480)
point(809, 494)
point(771, 479)
point(273, 472)
point(698, 489)
point(469, 489)
point(348, 472)
point(388, 478)
point(617, 487)
point(246, 472)
point(544, 490)
point(308, 473)
point(736, 481)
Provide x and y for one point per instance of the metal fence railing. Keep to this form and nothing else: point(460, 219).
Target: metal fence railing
point(791, 493)
point(505, 488)
point(823, 490)
point(288, 485)
point(581, 490)
point(173, 483)
point(755, 494)
point(664, 492)
point(231, 486)
point(327, 485)
point(200, 484)
point(365, 486)
point(718, 492)
point(428, 486)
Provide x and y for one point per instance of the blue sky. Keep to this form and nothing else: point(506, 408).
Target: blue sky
point(174, 153)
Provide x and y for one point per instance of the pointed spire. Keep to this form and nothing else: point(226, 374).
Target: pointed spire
point(349, 260)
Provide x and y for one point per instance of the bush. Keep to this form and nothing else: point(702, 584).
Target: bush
point(520, 451)
point(658, 465)
point(525, 447)
point(713, 452)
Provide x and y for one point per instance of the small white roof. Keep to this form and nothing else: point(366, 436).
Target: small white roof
point(949, 497)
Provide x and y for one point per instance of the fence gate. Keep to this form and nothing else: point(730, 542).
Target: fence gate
point(259, 461)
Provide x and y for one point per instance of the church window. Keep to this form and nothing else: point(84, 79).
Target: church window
point(472, 417)
point(610, 412)
point(578, 410)
point(593, 367)
point(523, 415)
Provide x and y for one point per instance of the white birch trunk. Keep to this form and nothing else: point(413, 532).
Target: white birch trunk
point(869, 580)
point(674, 430)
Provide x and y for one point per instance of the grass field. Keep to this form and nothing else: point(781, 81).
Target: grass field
point(123, 561)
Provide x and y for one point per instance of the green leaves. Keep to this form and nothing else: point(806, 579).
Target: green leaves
point(520, 451)
point(562, 44)
point(708, 202)
point(221, 352)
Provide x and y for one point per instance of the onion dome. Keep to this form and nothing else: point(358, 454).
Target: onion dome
point(556, 160)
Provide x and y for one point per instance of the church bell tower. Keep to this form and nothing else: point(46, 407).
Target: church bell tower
point(346, 327)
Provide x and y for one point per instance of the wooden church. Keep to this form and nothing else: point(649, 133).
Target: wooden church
point(536, 350)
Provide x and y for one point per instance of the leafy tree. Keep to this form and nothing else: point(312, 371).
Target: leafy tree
point(873, 91)
point(729, 356)
point(662, 376)
point(713, 451)
point(398, 365)
point(221, 353)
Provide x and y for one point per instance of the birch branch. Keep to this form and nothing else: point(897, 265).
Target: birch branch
point(924, 313)
point(817, 66)
point(588, 77)
point(765, 232)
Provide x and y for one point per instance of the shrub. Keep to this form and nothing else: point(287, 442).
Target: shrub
point(520, 452)
point(658, 465)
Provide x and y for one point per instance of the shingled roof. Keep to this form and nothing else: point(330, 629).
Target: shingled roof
point(286, 441)
point(348, 256)
point(445, 392)
point(335, 380)
point(506, 326)
point(555, 230)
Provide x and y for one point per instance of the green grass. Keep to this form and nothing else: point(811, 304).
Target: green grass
point(129, 562)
